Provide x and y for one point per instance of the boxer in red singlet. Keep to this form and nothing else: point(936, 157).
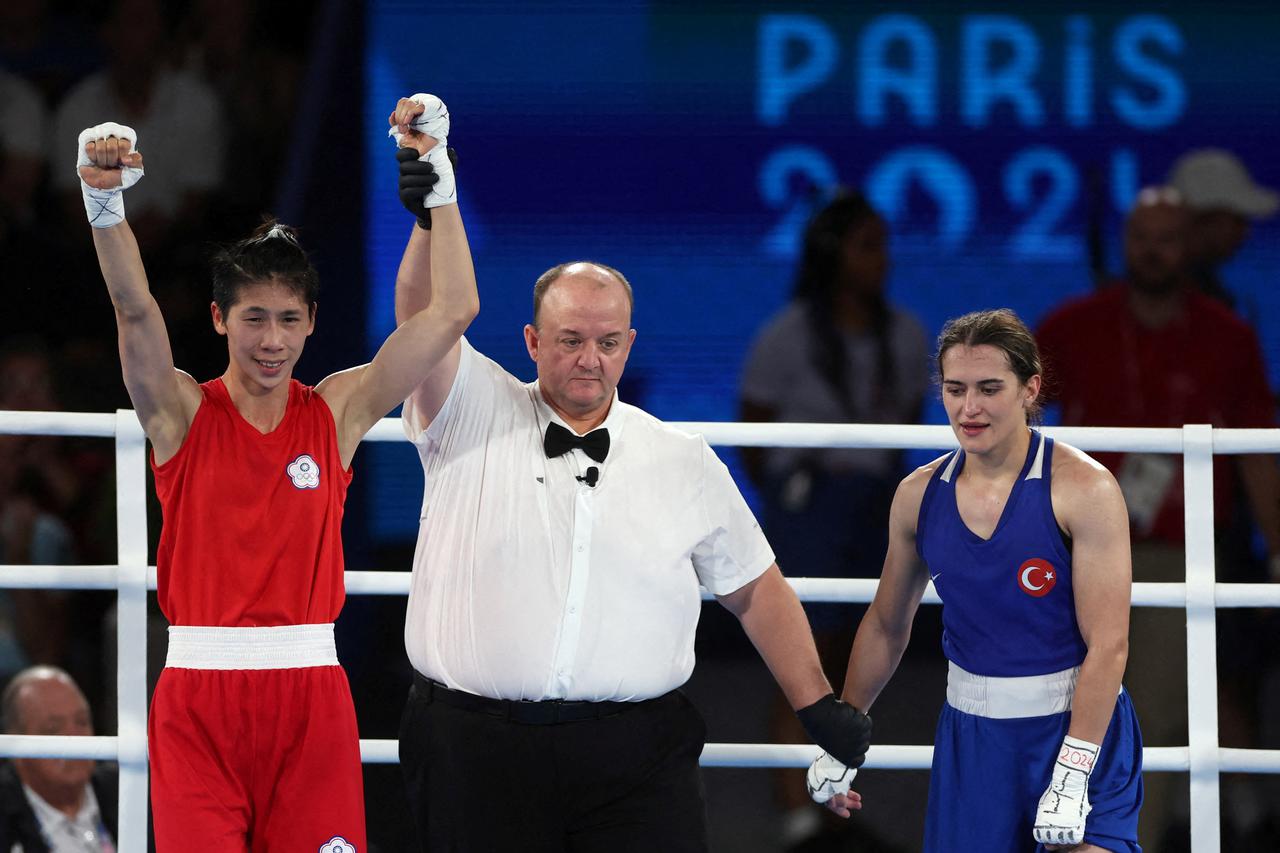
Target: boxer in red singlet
point(252, 735)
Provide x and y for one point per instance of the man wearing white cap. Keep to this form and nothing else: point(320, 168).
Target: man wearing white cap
point(1222, 198)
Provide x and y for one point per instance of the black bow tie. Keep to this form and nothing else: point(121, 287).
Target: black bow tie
point(559, 440)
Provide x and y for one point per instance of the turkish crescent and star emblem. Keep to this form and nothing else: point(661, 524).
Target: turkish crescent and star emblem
point(1037, 577)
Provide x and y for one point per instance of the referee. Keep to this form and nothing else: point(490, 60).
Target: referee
point(555, 590)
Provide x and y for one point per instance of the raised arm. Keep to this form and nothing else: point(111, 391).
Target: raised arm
point(413, 295)
point(165, 399)
point(431, 329)
point(414, 277)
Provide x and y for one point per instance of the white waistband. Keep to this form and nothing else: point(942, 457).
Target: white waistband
point(274, 647)
point(1007, 698)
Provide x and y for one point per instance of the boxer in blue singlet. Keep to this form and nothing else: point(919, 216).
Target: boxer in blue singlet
point(1027, 544)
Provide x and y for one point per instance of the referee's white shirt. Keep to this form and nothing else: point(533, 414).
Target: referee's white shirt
point(528, 584)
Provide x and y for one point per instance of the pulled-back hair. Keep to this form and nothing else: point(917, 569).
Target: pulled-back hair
point(271, 255)
point(1004, 330)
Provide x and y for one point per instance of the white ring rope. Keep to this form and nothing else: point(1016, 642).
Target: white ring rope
point(826, 590)
point(1201, 596)
point(891, 436)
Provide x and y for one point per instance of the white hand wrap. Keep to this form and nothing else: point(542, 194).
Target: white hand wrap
point(1064, 806)
point(827, 777)
point(106, 207)
point(434, 122)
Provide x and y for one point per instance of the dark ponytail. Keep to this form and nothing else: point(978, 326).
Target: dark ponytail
point(817, 280)
point(272, 254)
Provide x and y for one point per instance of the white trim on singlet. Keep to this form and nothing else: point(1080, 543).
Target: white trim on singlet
point(1036, 472)
point(951, 467)
point(273, 647)
point(1037, 467)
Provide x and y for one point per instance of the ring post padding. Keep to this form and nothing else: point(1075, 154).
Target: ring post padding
point(1202, 647)
point(131, 628)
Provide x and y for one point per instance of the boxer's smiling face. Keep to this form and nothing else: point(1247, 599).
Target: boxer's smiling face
point(266, 328)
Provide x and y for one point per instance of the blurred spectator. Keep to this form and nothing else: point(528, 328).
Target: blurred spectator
point(23, 120)
point(51, 51)
point(178, 119)
point(35, 477)
point(1151, 351)
point(26, 376)
point(232, 46)
point(839, 352)
point(29, 535)
point(1120, 358)
point(27, 384)
point(53, 804)
point(1222, 198)
point(40, 280)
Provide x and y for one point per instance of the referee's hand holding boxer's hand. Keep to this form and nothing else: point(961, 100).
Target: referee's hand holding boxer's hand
point(417, 178)
point(420, 125)
point(839, 728)
point(845, 733)
point(829, 783)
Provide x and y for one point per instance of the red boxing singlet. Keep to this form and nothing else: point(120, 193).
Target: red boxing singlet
point(252, 529)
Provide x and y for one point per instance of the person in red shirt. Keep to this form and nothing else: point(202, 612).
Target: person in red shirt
point(1152, 351)
point(252, 735)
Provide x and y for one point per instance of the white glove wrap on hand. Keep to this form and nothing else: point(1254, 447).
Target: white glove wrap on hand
point(434, 122)
point(1064, 806)
point(827, 777)
point(106, 207)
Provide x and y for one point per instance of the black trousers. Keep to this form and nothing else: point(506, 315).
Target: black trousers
point(627, 782)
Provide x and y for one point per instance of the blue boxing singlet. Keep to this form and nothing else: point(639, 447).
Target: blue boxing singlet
point(1008, 607)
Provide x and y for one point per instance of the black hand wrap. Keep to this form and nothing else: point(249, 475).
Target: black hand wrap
point(839, 728)
point(417, 177)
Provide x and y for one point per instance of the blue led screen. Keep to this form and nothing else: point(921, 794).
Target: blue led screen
point(686, 143)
